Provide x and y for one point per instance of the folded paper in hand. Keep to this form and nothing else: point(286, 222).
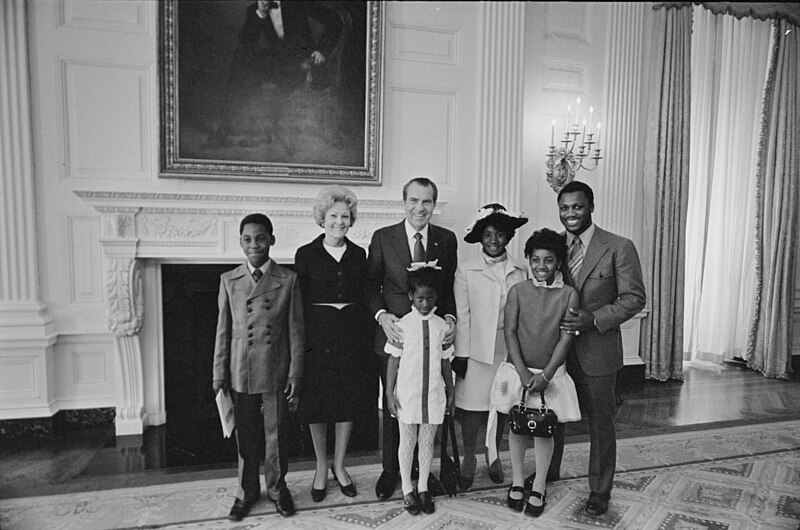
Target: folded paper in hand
point(225, 407)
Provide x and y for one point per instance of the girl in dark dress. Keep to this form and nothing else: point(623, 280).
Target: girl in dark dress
point(332, 273)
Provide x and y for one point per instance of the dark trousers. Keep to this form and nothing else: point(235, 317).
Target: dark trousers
point(251, 438)
point(598, 404)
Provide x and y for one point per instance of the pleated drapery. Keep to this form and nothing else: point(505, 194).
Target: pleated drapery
point(666, 174)
point(777, 203)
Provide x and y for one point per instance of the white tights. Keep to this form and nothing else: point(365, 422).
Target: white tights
point(405, 453)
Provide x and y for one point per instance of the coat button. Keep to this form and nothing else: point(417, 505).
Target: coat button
point(250, 343)
point(269, 342)
point(339, 273)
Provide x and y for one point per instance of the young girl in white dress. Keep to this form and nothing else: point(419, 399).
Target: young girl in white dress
point(537, 348)
point(419, 383)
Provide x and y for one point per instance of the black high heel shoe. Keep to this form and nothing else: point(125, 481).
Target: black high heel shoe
point(317, 495)
point(349, 490)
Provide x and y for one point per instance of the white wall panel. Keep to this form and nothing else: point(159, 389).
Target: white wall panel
point(567, 20)
point(424, 133)
point(84, 259)
point(128, 16)
point(106, 117)
point(417, 43)
point(18, 377)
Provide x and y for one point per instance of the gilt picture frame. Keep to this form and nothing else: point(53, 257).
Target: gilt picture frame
point(244, 95)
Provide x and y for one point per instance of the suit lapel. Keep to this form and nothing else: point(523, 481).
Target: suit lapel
point(433, 251)
point(400, 245)
point(272, 280)
point(596, 249)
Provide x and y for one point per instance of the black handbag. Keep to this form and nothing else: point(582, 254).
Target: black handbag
point(540, 422)
point(450, 469)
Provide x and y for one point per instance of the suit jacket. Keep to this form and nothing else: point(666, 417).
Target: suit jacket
point(387, 263)
point(260, 334)
point(611, 287)
point(477, 293)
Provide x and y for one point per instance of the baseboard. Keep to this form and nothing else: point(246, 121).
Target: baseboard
point(61, 422)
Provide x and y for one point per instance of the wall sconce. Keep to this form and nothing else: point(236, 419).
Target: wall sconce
point(565, 161)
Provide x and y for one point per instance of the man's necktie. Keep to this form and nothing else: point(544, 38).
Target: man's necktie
point(575, 258)
point(257, 274)
point(419, 250)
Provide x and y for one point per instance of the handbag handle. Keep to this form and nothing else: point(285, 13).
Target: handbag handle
point(543, 408)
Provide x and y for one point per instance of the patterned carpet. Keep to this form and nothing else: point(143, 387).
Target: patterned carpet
point(731, 478)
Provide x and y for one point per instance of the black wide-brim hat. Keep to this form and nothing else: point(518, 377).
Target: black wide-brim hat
point(494, 215)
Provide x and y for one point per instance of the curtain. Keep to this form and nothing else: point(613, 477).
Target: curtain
point(729, 67)
point(777, 202)
point(666, 173)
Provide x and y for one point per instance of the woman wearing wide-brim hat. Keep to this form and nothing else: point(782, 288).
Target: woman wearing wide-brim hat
point(481, 286)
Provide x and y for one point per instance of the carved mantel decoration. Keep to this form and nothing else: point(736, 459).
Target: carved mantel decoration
point(190, 227)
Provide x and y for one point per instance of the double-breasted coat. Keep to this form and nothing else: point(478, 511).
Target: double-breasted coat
point(260, 330)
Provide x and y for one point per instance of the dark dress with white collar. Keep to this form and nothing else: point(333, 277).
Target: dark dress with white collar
point(339, 365)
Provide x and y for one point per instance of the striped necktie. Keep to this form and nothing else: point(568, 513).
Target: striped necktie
point(575, 258)
point(257, 274)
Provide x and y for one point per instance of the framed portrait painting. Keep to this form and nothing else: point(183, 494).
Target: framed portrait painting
point(271, 91)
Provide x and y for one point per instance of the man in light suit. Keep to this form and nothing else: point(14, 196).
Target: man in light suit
point(258, 356)
point(604, 268)
point(391, 251)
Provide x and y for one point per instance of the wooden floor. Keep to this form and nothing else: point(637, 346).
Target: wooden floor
point(710, 396)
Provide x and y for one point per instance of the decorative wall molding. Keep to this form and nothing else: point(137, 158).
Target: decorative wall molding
point(126, 17)
point(106, 137)
point(564, 77)
point(423, 44)
point(569, 20)
point(501, 103)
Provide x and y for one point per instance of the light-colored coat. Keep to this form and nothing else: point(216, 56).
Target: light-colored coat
point(477, 294)
point(260, 335)
point(611, 287)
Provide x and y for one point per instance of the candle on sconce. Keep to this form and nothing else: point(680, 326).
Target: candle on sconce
point(598, 137)
point(553, 134)
point(591, 113)
point(577, 111)
point(569, 109)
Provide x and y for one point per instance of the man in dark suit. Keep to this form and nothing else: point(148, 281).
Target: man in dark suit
point(604, 268)
point(391, 251)
point(258, 356)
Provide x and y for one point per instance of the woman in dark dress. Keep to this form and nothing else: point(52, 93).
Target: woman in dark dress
point(332, 273)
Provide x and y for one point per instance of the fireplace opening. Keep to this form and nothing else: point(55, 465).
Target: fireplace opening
point(193, 432)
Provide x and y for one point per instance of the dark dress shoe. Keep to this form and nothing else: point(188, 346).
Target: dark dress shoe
point(240, 509)
point(285, 504)
point(597, 503)
point(496, 472)
point(348, 490)
point(411, 503)
point(385, 486)
point(317, 495)
point(536, 511)
point(426, 501)
point(516, 504)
